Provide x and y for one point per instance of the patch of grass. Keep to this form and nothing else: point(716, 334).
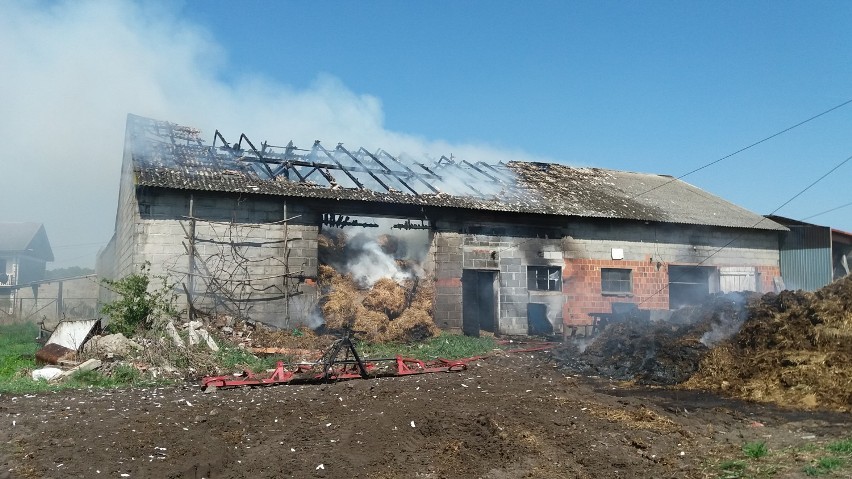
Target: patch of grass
point(829, 463)
point(843, 446)
point(755, 450)
point(732, 469)
point(448, 346)
point(232, 357)
point(812, 471)
point(17, 348)
point(823, 466)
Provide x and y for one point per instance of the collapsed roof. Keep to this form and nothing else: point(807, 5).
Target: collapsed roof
point(167, 155)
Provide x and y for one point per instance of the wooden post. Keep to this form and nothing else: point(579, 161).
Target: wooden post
point(60, 303)
point(286, 271)
point(190, 297)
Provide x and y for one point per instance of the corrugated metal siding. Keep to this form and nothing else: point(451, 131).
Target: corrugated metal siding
point(806, 257)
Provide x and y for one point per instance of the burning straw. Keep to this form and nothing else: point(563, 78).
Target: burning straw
point(387, 312)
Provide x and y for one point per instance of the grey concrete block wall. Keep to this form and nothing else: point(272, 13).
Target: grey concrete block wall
point(445, 251)
point(151, 227)
point(684, 244)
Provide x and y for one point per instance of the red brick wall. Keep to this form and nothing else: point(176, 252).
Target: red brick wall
point(581, 284)
point(767, 277)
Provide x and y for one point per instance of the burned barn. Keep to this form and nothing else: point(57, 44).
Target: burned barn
point(246, 229)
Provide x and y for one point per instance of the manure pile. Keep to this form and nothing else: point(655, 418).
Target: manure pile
point(795, 349)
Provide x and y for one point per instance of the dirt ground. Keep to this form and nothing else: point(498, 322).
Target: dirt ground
point(507, 416)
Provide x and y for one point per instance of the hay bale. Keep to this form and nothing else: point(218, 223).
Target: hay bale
point(424, 296)
point(387, 297)
point(372, 324)
point(411, 326)
point(340, 307)
point(331, 248)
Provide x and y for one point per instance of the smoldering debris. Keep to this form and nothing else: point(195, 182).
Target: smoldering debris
point(793, 349)
point(656, 353)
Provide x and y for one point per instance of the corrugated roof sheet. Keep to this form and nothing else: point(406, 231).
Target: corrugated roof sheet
point(170, 156)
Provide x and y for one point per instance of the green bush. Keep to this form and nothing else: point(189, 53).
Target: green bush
point(137, 307)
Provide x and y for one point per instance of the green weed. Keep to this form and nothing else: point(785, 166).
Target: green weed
point(755, 450)
point(812, 471)
point(732, 469)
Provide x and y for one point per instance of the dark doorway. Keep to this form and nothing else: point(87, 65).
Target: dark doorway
point(537, 322)
point(688, 285)
point(479, 302)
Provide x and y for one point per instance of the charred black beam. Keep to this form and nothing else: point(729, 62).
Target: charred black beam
point(451, 163)
point(345, 169)
point(492, 178)
point(387, 171)
point(341, 148)
point(408, 225)
point(413, 173)
point(257, 153)
point(340, 221)
point(507, 176)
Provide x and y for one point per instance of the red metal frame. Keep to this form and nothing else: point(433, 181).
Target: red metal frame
point(301, 373)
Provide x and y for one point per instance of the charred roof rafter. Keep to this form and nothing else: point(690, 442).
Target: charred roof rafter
point(304, 163)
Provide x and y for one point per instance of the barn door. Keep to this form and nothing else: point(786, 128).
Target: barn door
point(479, 302)
point(733, 278)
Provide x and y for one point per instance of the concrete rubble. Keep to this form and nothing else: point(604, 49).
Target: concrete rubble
point(111, 345)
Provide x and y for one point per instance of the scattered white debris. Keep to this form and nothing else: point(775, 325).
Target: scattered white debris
point(412, 424)
point(321, 466)
point(46, 373)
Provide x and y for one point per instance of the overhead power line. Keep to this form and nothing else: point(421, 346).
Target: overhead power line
point(785, 130)
point(827, 211)
point(729, 243)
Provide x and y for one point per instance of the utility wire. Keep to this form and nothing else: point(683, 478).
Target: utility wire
point(729, 243)
point(827, 211)
point(746, 148)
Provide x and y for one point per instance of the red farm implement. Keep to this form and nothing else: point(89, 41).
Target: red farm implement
point(340, 362)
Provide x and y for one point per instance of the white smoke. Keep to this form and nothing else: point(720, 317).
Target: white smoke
point(370, 264)
point(73, 70)
point(368, 261)
point(726, 327)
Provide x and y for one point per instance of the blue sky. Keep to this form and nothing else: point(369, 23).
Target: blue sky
point(661, 87)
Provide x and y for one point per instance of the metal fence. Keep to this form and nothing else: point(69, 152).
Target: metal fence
point(49, 309)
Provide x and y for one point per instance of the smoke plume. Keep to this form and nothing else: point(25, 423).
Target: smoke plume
point(73, 70)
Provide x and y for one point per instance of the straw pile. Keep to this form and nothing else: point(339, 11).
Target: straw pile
point(794, 349)
point(386, 312)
